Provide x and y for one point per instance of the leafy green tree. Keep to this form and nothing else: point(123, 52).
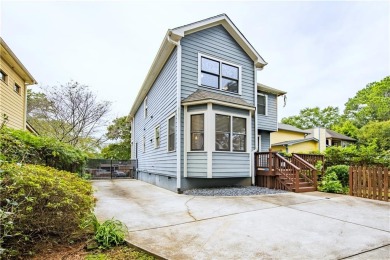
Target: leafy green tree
point(347, 128)
point(369, 104)
point(120, 133)
point(377, 133)
point(313, 117)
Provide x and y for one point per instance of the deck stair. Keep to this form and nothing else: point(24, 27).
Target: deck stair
point(277, 172)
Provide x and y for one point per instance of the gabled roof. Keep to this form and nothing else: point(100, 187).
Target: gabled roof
point(291, 128)
point(332, 134)
point(204, 96)
point(172, 38)
point(292, 142)
point(10, 57)
point(268, 89)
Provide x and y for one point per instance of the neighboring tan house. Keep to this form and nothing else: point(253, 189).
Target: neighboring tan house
point(14, 79)
point(200, 114)
point(328, 137)
point(291, 139)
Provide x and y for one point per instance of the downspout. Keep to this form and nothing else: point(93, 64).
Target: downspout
point(256, 129)
point(178, 113)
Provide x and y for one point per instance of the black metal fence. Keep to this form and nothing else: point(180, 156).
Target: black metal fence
point(110, 169)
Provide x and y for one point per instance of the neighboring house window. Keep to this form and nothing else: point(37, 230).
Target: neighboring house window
point(3, 76)
point(17, 88)
point(261, 104)
point(146, 107)
point(224, 134)
point(143, 144)
point(157, 137)
point(197, 132)
point(171, 134)
point(218, 74)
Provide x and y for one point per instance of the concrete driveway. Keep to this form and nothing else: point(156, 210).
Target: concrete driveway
point(282, 226)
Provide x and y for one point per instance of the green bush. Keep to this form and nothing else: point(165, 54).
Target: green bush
point(40, 203)
point(23, 147)
point(331, 184)
point(341, 172)
point(107, 234)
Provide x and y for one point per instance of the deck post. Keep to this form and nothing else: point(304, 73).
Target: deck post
point(270, 160)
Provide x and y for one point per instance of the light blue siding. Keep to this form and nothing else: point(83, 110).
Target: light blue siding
point(230, 164)
point(161, 104)
point(197, 164)
point(265, 140)
point(216, 42)
point(269, 122)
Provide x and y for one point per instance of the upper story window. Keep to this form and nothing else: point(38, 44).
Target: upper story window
point(17, 88)
point(197, 132)
point(157, 137)
point(218, 74)
point(3, 76)
point(171, 134)
point(225, 138)
point(262, 104)
point(146, 107)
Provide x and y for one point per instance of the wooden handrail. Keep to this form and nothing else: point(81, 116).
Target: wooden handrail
point(286, 161)
point(304, 162)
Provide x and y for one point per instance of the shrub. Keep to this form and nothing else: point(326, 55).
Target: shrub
point(331, 184)
point(24, 147)
point(107, 234)
point(341, 172)
point(40, 203)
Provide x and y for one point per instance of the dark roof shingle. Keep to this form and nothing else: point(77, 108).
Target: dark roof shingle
point(203, 95)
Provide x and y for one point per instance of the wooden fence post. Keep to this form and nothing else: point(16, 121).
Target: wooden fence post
point(386, 184)
point(351, 169)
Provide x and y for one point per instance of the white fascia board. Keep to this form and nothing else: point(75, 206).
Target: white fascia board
point(230, 27)
point(159, 61)
point(218, 102)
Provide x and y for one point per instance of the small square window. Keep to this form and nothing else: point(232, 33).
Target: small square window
point(3, 76)
point(17, 88)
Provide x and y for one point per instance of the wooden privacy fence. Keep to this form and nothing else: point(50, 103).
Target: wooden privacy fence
point(369, 182)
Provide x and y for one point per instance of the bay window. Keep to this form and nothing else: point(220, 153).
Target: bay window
point(197, 132)
point(225, 137)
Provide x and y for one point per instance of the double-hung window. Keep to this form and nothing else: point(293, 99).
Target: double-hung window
point(261, 104)
point(230, 133)
point(171, 134)
point(157, 137)
point(197, 132)
point(220, 75)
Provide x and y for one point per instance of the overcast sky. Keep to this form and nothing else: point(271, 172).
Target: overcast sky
point(321, 53)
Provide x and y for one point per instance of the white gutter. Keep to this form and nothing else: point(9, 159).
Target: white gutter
point(178, 112)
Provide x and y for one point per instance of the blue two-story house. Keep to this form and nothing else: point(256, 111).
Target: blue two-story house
point(200, 114)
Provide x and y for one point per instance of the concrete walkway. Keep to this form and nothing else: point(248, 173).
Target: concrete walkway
point(283, 226)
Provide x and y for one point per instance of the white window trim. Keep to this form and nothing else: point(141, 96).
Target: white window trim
point(209, 130)
point(169, 117)
point(266, 104)
point(155, 136)
point(200, 55)
point(146, 107)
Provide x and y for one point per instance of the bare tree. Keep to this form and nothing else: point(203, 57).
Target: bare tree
point(70, 113)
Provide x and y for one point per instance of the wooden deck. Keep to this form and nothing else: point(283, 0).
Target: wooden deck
point(276, 172)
